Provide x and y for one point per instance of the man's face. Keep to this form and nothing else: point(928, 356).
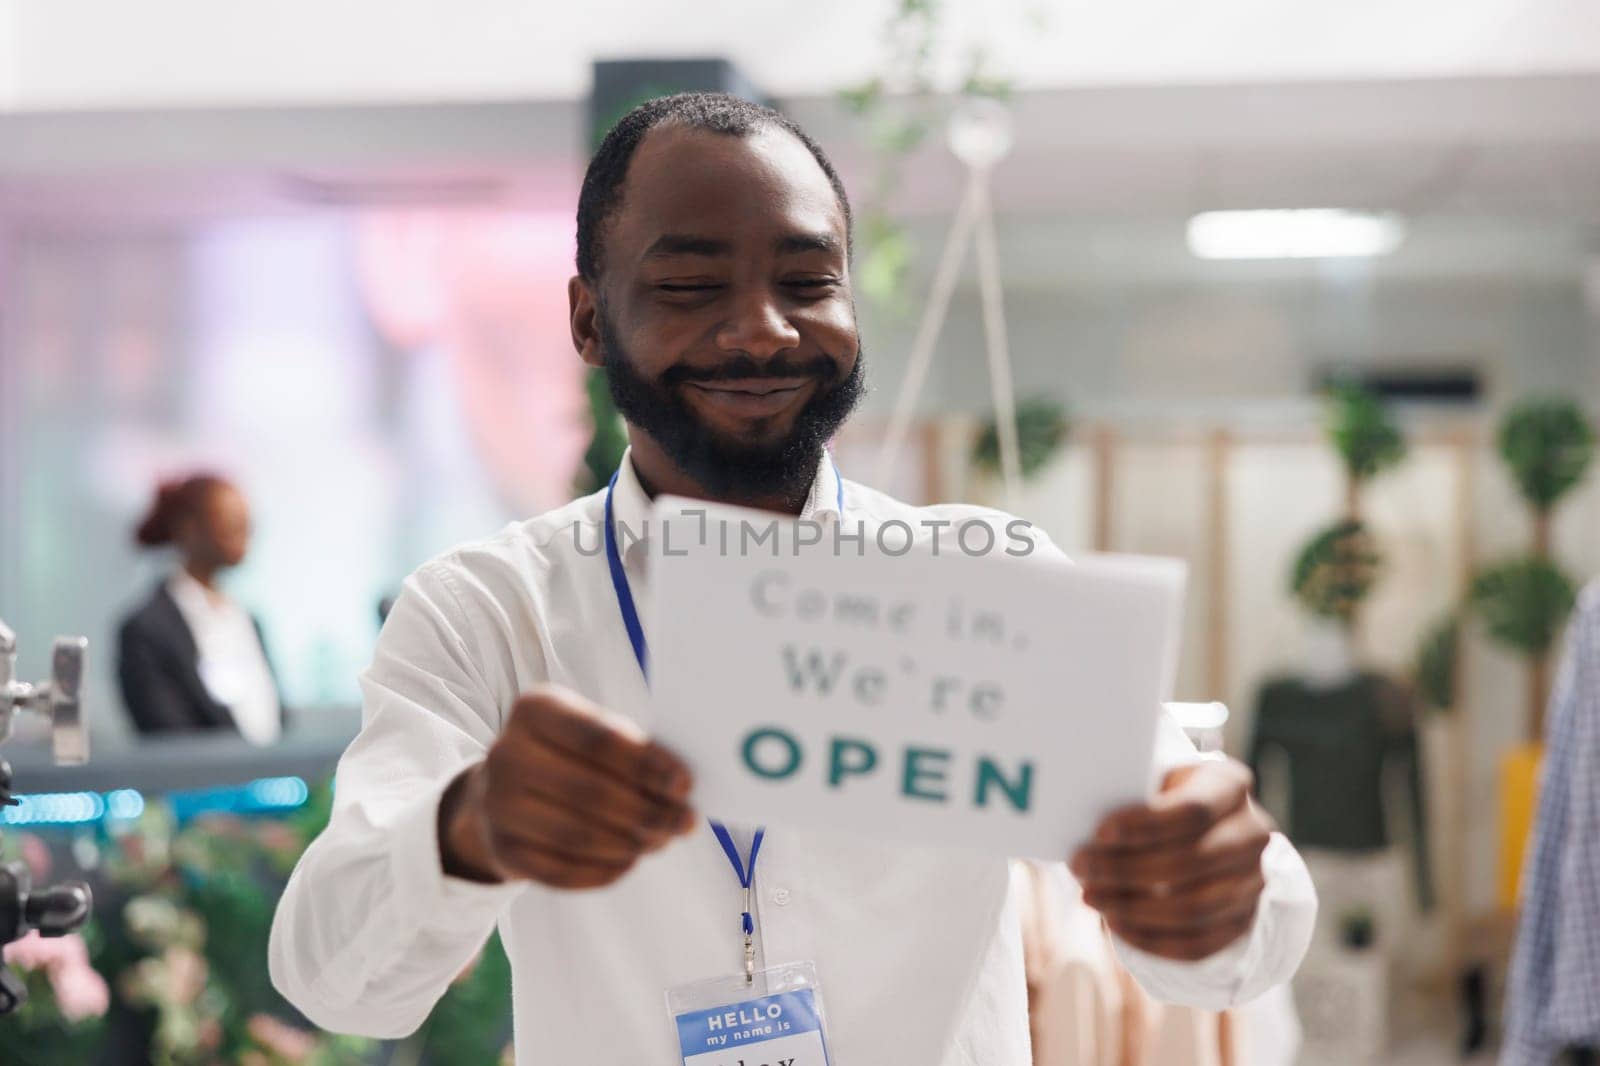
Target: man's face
point(724, 317)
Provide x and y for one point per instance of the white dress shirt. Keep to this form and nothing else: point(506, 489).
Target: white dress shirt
point(231, 662)
point(918, 950)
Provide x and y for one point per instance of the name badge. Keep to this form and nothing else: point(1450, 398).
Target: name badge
point(773, 1018)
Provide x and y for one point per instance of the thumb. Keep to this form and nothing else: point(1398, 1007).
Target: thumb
point(1192, 799)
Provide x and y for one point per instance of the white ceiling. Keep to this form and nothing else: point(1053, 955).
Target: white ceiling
point(1516, 146)
point(92, 54)
point(1499, 177)
point(1510, 146)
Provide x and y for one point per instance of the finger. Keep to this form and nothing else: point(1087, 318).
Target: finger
point(1192, 799)
point(1238, 840)
point(555, 776)
point(1180, 947)
point(1191, 945)
point(1240, 909)
point(566, 721)
point(1194, 909)
point(557, 870)
point(1145, 873)
point(644, 822)
point(560, 830)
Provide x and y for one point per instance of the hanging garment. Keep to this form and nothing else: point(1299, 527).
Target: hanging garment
point(1553, 1000)
point(1337, 741)
point(1084, 1009)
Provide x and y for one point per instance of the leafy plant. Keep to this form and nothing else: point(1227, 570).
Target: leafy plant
point(1335, 570)
point(472, 1023)
point(41, 1034)
point(1548, 445)
point(1435, 668)
point(1524, 602)
point(610, 439)
point(181, 925)
point(1367, 439)
point(1041, 427)
point(899, 108)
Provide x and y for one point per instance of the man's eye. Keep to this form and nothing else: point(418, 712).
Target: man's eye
point(671, 286)
point(812, 283)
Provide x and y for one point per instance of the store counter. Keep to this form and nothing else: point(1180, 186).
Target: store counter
point(183, 765)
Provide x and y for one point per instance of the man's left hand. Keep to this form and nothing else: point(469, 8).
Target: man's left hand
point(1180, 877)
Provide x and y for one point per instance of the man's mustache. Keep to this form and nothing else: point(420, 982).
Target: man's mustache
point(744, 368)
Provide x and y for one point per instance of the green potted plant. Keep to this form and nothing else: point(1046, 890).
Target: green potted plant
point(897, 110)
point(1041, 427)
point(1434, 672)
point(610, 438)
point(1367, 439)
point(180, 932)
point(1524, 601)
point(1336, 569)
point(1334, 720)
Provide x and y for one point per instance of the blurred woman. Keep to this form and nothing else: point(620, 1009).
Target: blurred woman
point(190, 657)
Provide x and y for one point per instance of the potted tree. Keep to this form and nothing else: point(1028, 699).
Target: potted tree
point(1043, 428)
point(1524, 601)
point(1547, 446)
point(1336, 569)
point(1336, 724)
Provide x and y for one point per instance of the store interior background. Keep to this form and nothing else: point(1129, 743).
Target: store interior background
point(324, 248)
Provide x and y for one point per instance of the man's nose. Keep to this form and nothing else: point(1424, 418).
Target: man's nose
point(759, 328)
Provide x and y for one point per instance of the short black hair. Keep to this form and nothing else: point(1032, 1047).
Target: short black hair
point(716, 112)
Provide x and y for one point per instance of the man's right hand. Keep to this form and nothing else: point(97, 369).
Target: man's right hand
point(563, 798)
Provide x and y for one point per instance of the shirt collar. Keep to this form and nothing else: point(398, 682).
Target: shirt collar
point(630, 504)
point(823, 500)
point(187, 591)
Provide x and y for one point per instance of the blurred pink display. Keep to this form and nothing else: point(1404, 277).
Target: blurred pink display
point(489, 291)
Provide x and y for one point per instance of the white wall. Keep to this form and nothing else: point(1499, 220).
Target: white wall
point(1181, 358)
point(10, 53)
point(1279, 493)
point(1167, 350)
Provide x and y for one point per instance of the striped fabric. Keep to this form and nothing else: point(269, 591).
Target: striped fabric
point(1554, 997)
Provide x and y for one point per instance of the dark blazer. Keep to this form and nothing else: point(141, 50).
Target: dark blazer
point(158, 666)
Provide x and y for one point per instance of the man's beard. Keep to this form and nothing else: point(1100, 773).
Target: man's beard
point(733, 469)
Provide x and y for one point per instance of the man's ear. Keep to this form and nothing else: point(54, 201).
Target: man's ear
point(583, 308)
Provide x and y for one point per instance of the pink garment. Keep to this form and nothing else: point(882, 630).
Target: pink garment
point(1084, 1008)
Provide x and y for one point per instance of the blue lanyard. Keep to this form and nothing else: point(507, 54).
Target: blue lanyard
point(744, 870)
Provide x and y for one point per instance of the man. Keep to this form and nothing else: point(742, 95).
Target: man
point(713, 288)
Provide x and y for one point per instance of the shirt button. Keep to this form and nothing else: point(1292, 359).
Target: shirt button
point(780, 896)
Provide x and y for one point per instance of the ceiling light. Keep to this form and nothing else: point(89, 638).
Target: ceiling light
point(1305, 233)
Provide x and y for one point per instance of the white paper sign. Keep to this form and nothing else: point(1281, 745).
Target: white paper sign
point(992, 701)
